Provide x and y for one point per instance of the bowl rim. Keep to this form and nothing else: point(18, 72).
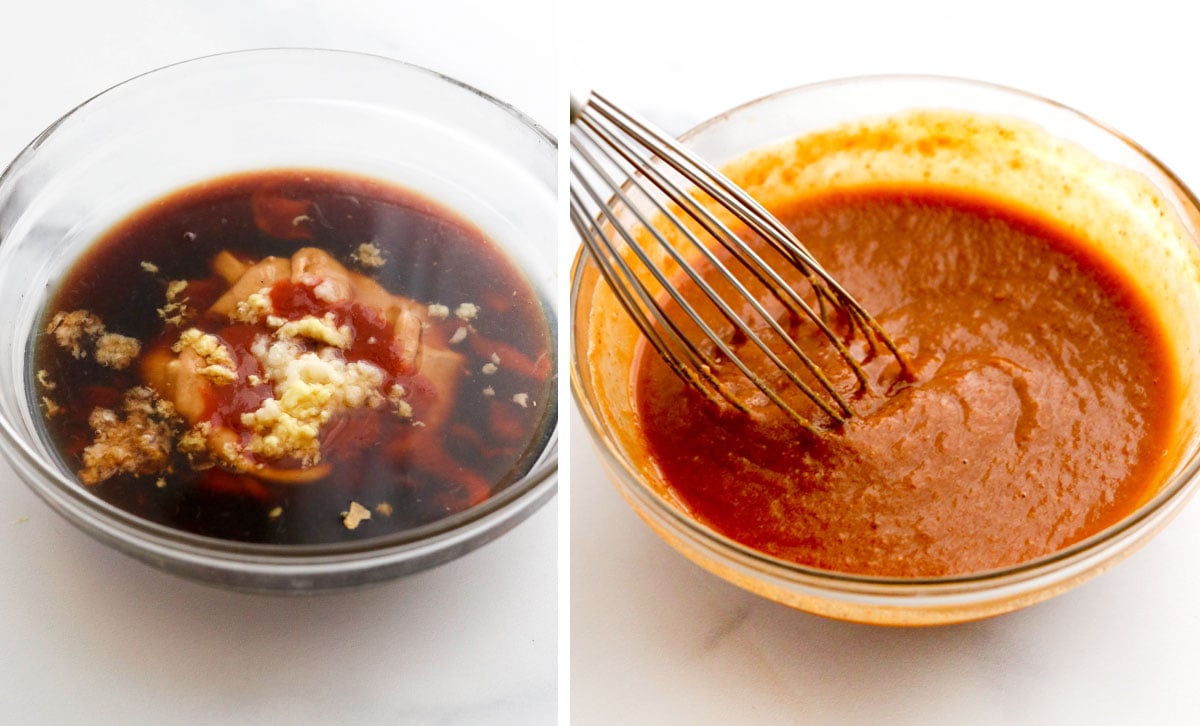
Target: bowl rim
point(1175, 489)
point(520, 116)
point(85, 509)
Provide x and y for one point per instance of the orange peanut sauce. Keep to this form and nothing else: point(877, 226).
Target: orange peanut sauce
point(1036, 414)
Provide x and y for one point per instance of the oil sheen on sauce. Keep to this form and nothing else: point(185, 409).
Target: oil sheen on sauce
point(450, 349)
point(1036, 415)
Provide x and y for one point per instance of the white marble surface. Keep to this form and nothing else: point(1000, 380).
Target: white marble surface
point(88, 636)
point(653, 638)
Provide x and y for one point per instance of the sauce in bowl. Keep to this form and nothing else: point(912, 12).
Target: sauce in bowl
point(1048, 426)
point(1035, 416)
point(295, 357)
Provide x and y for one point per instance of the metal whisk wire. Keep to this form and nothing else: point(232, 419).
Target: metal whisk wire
point(646, 162)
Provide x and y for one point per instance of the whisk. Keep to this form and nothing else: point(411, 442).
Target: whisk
point(616, 156)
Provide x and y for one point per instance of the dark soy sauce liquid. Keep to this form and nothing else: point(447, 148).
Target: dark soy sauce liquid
point(432, 256)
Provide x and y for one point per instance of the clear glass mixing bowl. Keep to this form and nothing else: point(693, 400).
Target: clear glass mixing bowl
point(246, 111)
point(1065, 157)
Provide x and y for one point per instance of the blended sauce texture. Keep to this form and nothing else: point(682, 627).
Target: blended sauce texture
point(1036, 415)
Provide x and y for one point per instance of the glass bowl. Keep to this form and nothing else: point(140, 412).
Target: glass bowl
point(256, 110)
point(1066, 165)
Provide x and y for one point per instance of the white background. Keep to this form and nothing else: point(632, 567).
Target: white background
point(89, 636)
point(654, 639)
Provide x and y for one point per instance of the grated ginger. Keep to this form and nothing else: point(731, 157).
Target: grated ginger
point(136, 441)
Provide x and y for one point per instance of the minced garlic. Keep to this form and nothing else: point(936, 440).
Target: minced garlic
point(176, 310)
point(368, 255)
point(277, 433)
point(219, 366)
point(43, 379)
point(326, 291)
point(71, 330)
point(466, 311)
point(116, 351)
point(137, 442)
point(255, 307)
point(174, 287)
point(195, 439)
point(308, 389)
point(323, 330)
point(356, 515)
